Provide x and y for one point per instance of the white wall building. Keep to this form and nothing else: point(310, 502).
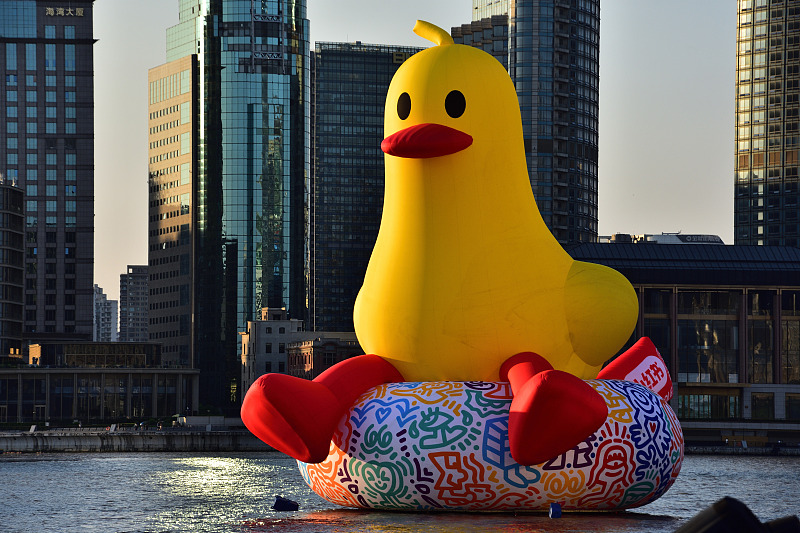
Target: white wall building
point(265, 344)
point(105, 317)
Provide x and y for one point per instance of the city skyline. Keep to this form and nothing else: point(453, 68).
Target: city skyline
point(675, 77)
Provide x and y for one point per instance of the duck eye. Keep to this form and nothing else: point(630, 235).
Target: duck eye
point(403, 106)
point(455, 104)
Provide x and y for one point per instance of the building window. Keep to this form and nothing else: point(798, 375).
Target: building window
point(791, 350)
point(760, 351)
point(793, 407)
point(11, 57)
point(49, 57)
point(30, 56)
point(763, 405)
point(69, 57)
point(709, 406)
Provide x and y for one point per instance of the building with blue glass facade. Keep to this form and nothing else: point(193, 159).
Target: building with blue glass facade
point(350, 81)
point(244, 217)
point(47, 148)
point(553, 56)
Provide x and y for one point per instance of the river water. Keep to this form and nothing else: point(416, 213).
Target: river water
point(178, 492)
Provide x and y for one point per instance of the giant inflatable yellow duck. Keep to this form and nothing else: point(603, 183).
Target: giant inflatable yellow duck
point(465, 282)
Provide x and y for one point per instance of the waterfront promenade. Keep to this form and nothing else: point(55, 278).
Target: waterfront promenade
point(219, 439)
point(112, 439)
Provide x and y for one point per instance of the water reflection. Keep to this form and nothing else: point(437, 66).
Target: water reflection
point(379, 522)
point(175, 492)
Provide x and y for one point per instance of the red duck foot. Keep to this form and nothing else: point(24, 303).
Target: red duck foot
point(293, 415)
point(552, 413)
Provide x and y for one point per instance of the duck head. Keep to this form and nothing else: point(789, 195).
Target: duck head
point(445, 98)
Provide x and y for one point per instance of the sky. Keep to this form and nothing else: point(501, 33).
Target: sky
point(666, 109)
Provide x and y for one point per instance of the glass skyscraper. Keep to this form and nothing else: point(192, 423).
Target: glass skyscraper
point(47, 148)
point(246, 213)
point(350, 81)
point(553, 57)
point(12, 267)
point(767, 202)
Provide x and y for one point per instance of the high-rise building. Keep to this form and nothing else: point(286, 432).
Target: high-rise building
point(105, 317)
point(244, 217)
point(47, 125)
point(553, 56)
point(133, 304)
point(767, 185)
point(350, 81)
point(12, 267)
point(173, 135)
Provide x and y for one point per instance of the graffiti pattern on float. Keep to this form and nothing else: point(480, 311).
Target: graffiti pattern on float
point(444, 445)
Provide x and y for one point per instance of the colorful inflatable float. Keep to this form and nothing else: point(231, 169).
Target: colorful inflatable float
point(444, 446)
point(484, 387)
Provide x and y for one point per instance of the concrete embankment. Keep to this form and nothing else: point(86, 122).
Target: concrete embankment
point(751, 450)
point(232, 440)
point(130, 441)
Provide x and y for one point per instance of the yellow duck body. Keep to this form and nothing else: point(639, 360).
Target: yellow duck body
point(465, 273)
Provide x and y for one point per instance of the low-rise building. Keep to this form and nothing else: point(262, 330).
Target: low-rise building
point(265, 344)
point(310, 358)
point(95, 382)
point(726, 319)
point(276, 344)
